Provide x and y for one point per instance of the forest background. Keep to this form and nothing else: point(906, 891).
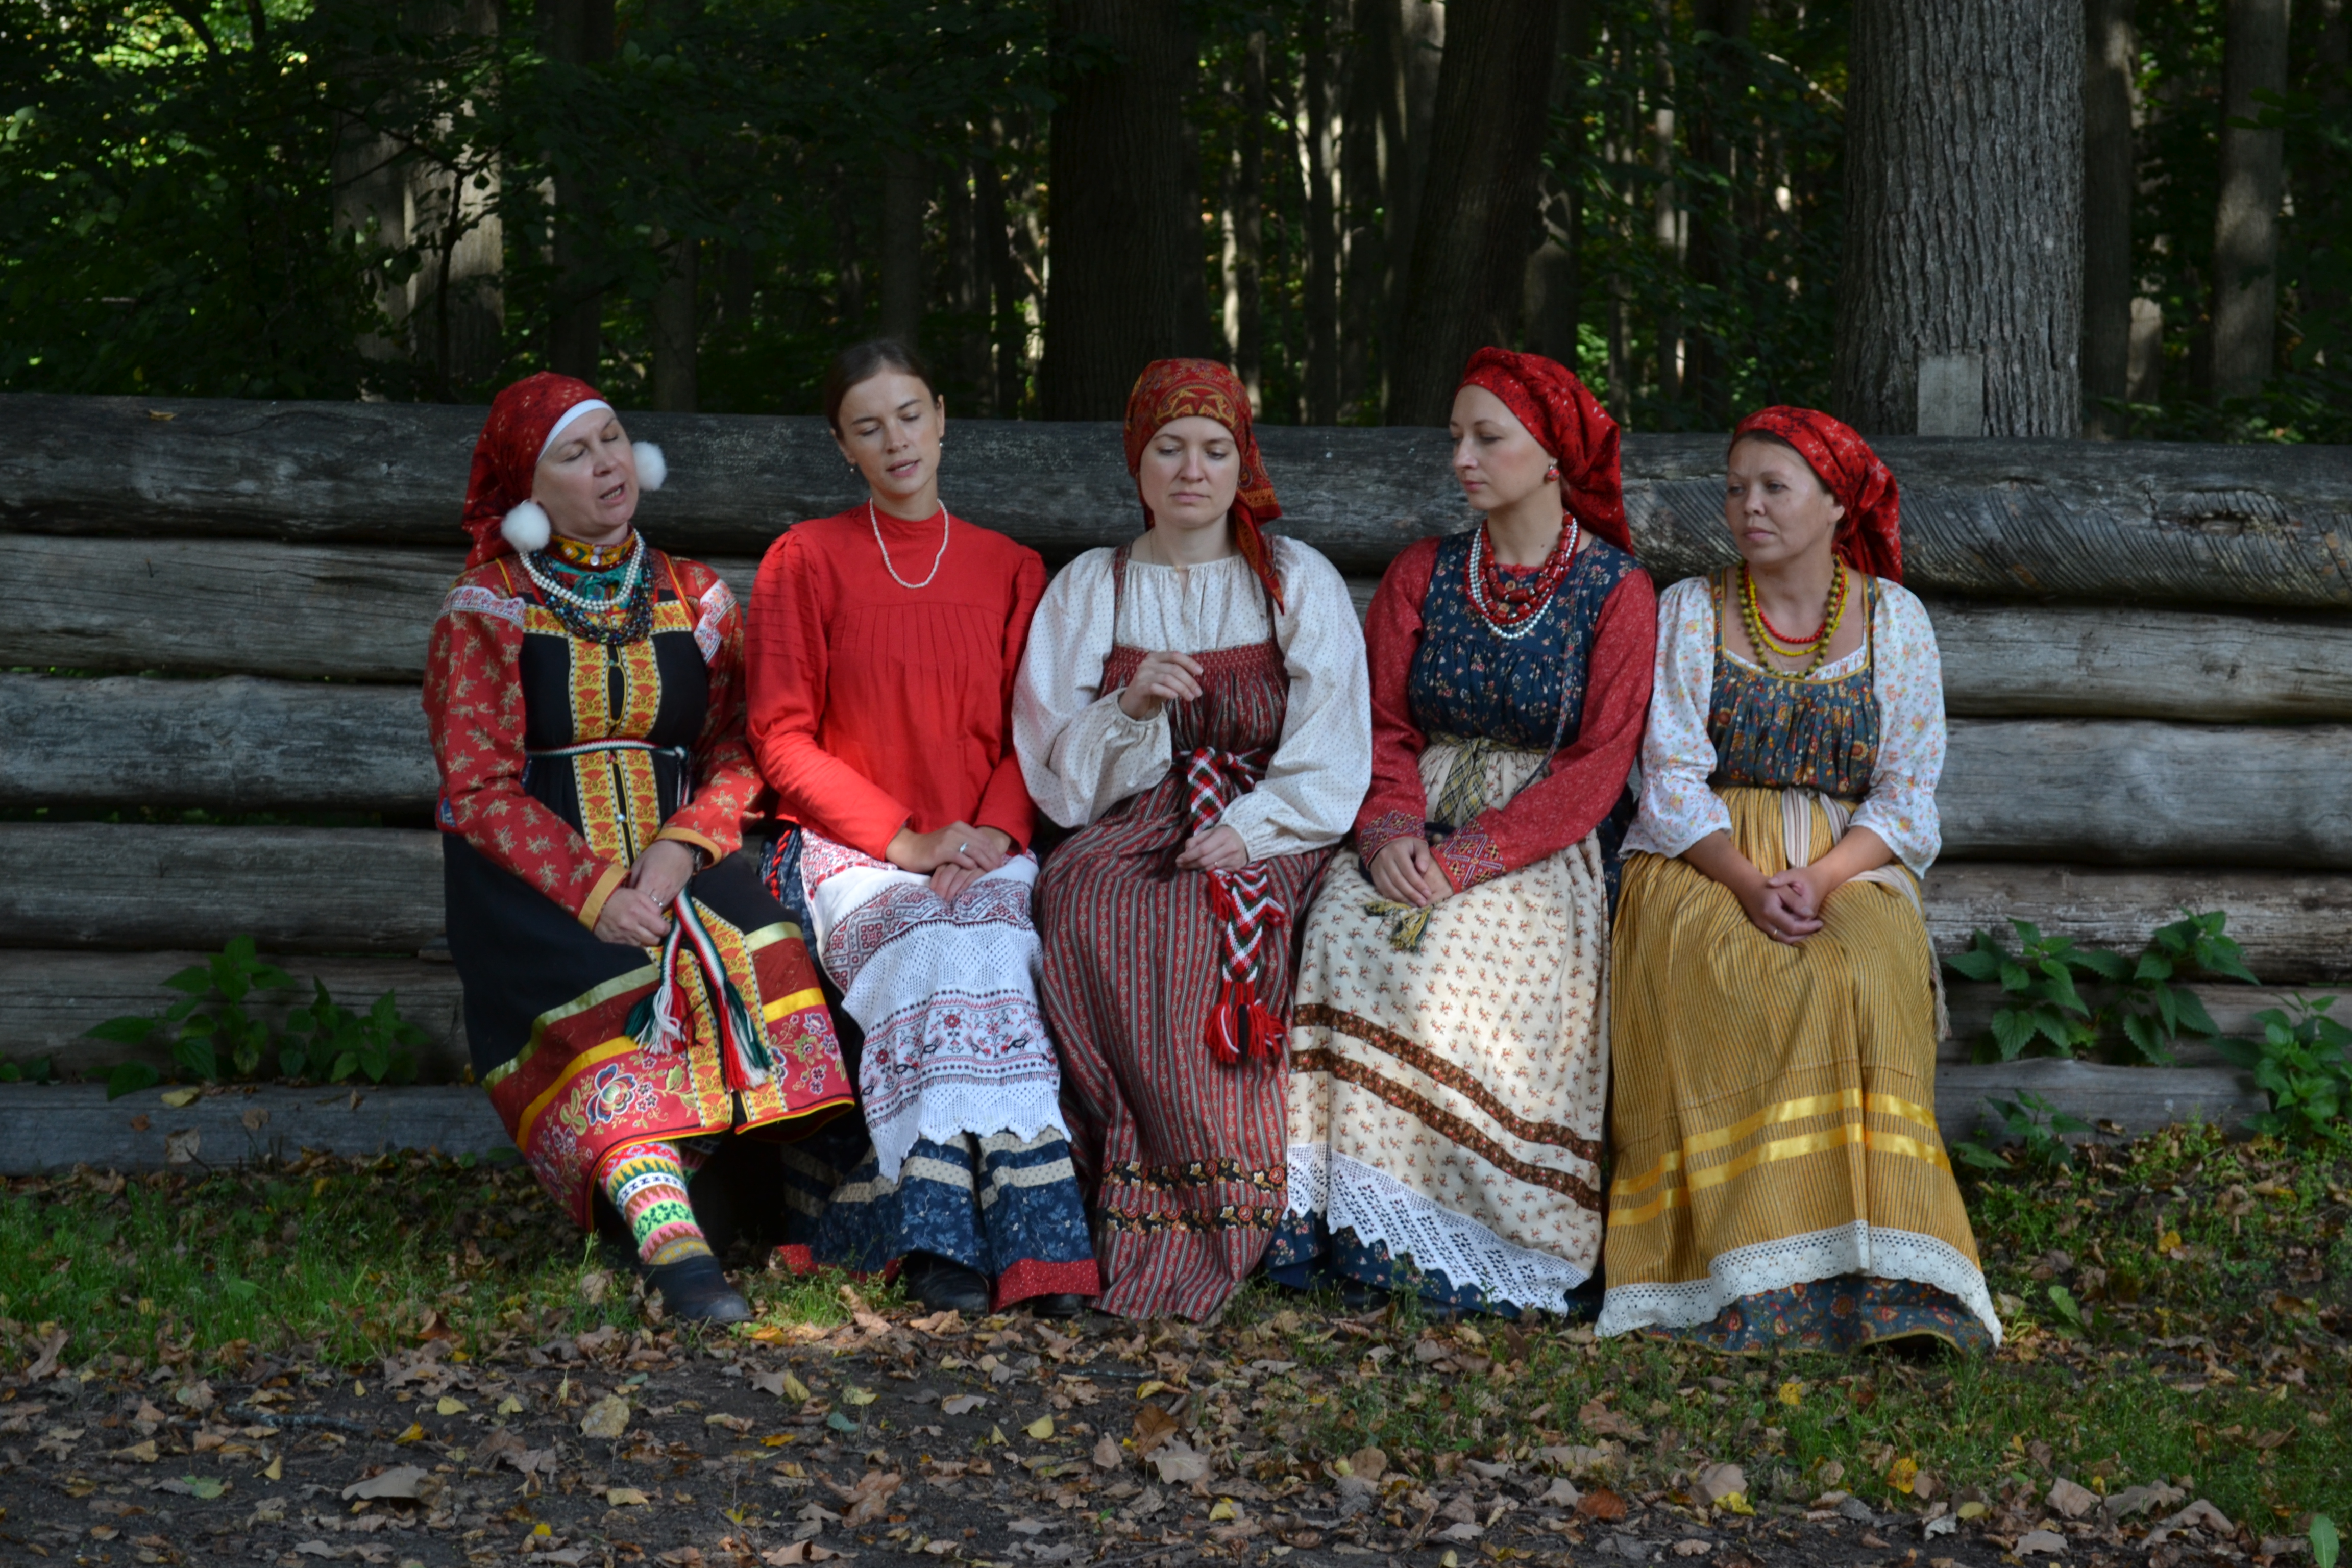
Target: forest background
point(695, 202)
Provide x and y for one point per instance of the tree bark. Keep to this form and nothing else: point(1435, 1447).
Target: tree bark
point(1361, 251)
point(1322, 221)
point(1125, 223)
point(2110, 58)
point(677, 329)
point(1470, 245)
point(903, 200)
point(1555, 283)
point(1963, 223)
point(2246, 226)
point(1714, 232)
point(579, 34)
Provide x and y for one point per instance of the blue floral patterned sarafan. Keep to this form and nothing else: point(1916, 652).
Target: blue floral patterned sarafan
point(1775, 731)
point(1468, 682)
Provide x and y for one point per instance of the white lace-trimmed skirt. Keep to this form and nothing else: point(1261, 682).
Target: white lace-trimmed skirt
point(1446, 1103)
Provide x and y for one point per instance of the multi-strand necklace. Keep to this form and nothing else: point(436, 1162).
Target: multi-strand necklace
point(946, 523)
point(1513, 610)
point(1762, 635)
point(622, 613)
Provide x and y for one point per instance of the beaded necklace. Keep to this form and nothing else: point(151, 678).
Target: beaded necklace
point(1512, 610)
point(1763, 635)
point(620, 612)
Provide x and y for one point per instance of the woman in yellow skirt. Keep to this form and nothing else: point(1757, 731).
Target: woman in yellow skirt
point(1777, 1176)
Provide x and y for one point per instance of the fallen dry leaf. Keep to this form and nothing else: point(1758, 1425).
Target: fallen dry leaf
point(1369, 1464)
point(1107, 1453)
point(962, 1404)
point(1178, 1464)
point(1041, 1428)
point(798, 1552)
point(2043, 1541)
point(1693, 1548)
point(1562, 1493)
point(1153, 1427)
point(607, 1418)
point(869, 1500)
point(47, 1361)
point(398, 1483)
point(2070, 1500)
point(449, 1406)
point(1716, 1482)
point(1602, 1505)
point(623, 1497)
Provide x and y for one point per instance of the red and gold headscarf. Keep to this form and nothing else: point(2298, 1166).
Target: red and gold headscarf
point(1173, 389)
point(1870, 535)
point(524, 420)
point(1569, 422)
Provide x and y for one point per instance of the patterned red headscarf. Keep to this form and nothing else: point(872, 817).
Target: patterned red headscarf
point(499, 512)
point(1173, 389)
point(1870, 535)
point(1569, 425)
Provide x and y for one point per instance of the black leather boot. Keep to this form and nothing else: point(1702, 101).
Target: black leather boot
point(696, 1288)
point(943, 1285)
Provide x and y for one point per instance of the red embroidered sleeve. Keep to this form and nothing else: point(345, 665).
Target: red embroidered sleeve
point(726, 779)
point(1588, 775)
point(474, 712)
point(1004, 804)
point(1397, 807)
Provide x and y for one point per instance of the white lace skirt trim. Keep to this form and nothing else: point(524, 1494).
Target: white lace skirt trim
point(1854, 1249)
point(1351, 1196)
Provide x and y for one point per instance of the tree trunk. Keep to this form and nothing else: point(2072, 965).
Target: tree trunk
point(1007, 282)
point(849, 257)
point(2245, 226)
point(1406, 40)
point(1470, 245)
point(1249, 227)
point(2110, 57)
point(677, 328)
point(1715, 230)
point(1361, 251)
point(903, 200)
point(1667, 204)
point(1555, 285)
point(1322, 221)
point(2319, 179)
point(1125, 223)
point(580, 33)
point(1963, 225)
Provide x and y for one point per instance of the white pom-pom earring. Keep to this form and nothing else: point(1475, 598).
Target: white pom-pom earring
point(527, 528)
point(652, 467)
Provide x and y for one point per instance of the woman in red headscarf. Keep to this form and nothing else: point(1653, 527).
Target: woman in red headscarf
point(1450, 1057)
point(883, 646)
point(1779, 1176)
point(1194, 701)
point(633, 993)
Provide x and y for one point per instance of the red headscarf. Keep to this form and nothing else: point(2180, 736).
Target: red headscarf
point(499, 512)
point(1569, 425)
point(1870, 535)
point(1173, 389)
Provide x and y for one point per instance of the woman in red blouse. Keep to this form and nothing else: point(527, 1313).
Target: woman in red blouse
point(1450, 1048)
point(884, 643)
point(633, 992)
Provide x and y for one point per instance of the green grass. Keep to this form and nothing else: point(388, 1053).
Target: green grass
point(2213, 1283)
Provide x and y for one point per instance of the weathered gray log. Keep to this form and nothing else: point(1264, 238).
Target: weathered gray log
point(2138, 1100)
point(55, 1127)
point(232, 744)
point(362, 613)
point(48, 998)
point(292, 889)
point(2133, 791)
point(2232, 1009)
point(2204, 524)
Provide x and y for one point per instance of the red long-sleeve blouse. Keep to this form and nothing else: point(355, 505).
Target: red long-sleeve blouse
point(474, 713)
point(874, 706)
point(1586, 776)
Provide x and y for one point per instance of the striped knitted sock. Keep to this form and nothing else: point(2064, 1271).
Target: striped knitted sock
point(646, 1182)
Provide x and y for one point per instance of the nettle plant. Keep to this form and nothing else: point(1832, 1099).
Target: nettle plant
point(2303, 1062)
point(2146, 1012)
point(213, 1035)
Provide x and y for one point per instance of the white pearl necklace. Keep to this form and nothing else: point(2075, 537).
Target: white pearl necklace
point(554, 590)
point(876, 523)
point(1478, 588)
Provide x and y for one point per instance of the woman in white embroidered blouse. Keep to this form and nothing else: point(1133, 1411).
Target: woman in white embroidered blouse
point(1196, 703)
point(1780, 1177)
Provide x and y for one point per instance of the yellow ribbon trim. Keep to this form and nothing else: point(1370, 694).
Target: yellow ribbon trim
point(1780, 1149)
point(596, 1056)
point(785, 1006)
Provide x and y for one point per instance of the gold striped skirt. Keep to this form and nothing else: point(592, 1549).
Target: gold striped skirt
point(1772, 1119)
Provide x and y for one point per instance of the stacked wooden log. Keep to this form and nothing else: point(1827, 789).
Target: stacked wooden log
point(223, 610)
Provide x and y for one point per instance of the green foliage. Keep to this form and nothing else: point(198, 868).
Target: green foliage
point(2303, 1062)
point(211, 1036)
point(2146, 1009)
point(2324, 1542)
point(40, 1071)
point(2036, 1128)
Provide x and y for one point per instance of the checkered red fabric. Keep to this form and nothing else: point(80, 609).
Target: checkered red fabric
point(1247, 911)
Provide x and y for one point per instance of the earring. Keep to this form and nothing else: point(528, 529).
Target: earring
point(1551, 475)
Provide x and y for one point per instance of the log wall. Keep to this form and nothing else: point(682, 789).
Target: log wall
point(224, 608)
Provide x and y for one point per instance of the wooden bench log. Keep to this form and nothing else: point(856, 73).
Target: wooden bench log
point(235, 606)
point(378, 890)
point(2125, 792)
point(2199, 524)
point(55, 1127)
point(2137, 1100)
point(48, 998)
point(292, 889)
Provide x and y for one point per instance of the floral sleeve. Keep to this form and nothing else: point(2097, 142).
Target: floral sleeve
point(1677, 806)
point(1908, 677)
